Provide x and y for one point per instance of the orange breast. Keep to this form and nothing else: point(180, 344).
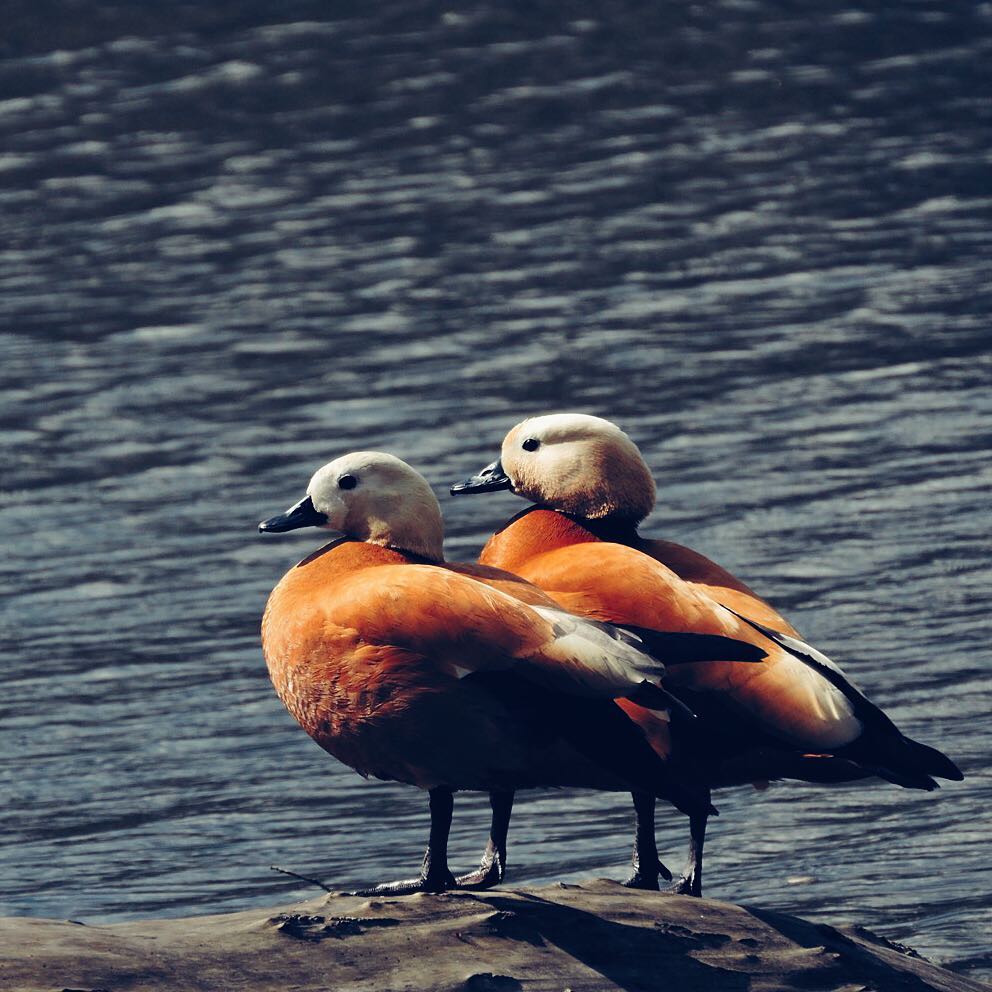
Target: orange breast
point(364, 647)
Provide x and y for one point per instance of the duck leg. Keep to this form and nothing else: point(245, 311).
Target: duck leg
point(434, 875)
point(691, 882)
point(647, 867)
point(493, 865)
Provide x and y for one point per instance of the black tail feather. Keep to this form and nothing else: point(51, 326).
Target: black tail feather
point(898, 776)
point(683, 648)
point(903, 761)
point(932, 761)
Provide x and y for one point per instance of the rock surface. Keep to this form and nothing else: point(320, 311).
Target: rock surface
point(597, 936)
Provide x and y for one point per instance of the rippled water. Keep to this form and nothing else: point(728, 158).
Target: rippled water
point(240, 239)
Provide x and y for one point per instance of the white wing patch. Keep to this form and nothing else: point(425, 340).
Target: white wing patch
point(829, 720)
point(596, 659)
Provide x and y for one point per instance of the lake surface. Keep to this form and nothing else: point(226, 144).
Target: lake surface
point(240, 239)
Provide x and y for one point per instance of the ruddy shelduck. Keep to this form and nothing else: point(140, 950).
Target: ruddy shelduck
point(794, 716)
point(452, 677)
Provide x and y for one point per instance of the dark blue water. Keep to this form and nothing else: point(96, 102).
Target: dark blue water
point(241, 239)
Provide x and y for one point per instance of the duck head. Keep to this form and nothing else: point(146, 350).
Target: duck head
point(582, 465)
point(369, 496)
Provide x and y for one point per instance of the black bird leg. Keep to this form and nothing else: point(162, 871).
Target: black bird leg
point(492, 868)
point(691, 882)
point(434, 874)
point(647, 867)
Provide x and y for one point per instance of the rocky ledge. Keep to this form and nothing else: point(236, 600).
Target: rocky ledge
point(595, 936)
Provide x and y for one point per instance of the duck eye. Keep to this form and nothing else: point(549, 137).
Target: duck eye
point(347, 482)
point(531, 444)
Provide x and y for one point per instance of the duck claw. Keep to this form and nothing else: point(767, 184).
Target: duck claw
point(489, 873)
point(686, 886)
point(649, 880)
point(409, 886)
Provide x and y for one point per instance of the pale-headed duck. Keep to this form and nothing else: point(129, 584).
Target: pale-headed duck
point(794, 716)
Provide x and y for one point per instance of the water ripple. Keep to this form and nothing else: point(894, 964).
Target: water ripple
point(239, 241)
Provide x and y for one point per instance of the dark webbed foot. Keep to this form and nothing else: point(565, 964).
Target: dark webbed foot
point(646, 877)
point(434, 875)
point(689, 885)
point(492, 868)
point(489, 873)
point(440, 882)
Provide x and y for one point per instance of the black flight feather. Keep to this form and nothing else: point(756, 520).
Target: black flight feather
point(900, 748)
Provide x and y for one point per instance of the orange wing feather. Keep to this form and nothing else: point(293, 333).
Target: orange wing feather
point(618, 584)
point(369, 660)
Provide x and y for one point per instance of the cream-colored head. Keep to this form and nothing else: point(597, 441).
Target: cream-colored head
point(579, 464)
point(371, 496)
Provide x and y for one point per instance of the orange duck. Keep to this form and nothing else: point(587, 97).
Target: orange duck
point(794, 716)
point(453, 677)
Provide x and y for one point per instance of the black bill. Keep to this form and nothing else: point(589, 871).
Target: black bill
point(301, 515)
point(489, 480)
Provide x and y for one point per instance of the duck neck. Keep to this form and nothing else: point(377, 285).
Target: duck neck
point(417, 557)
point(618, 530)
point(538, 529)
